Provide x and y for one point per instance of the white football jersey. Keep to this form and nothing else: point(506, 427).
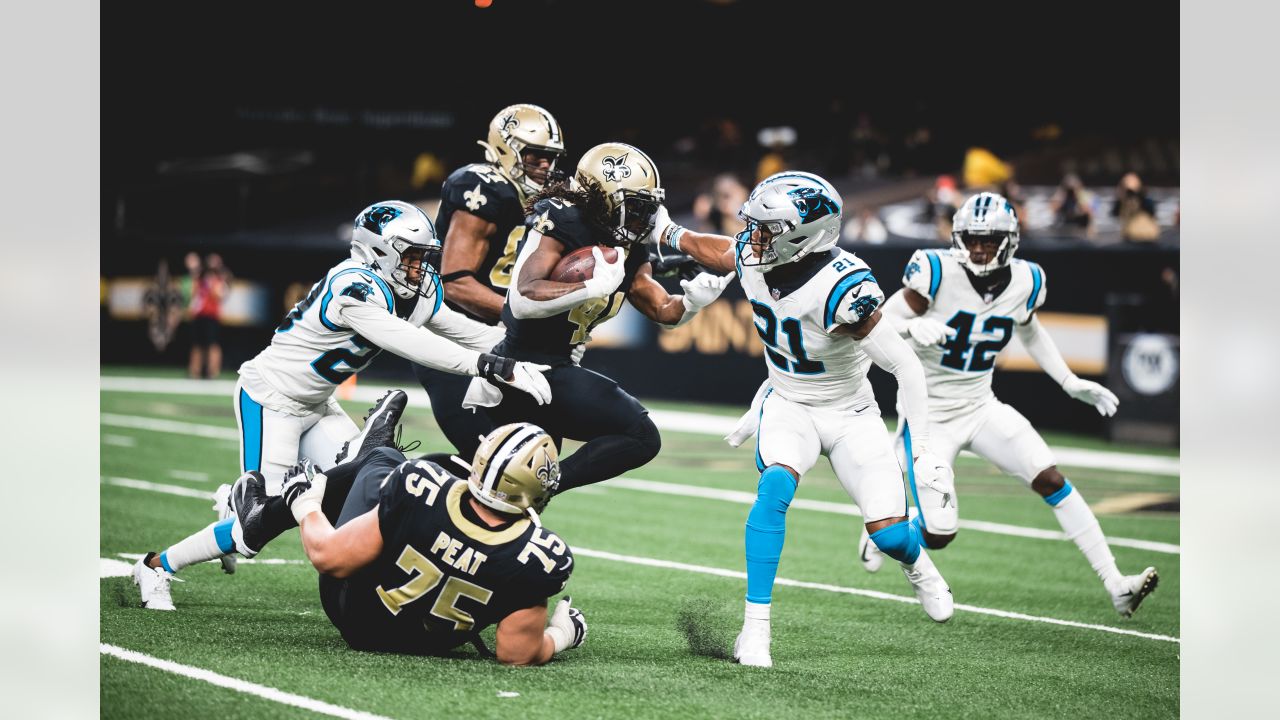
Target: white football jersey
point(809, 364)
point(959, 371)
point(313, 351)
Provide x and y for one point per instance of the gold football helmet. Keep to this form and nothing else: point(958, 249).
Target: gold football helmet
point(516, 467)
point(631, 186)
point(520, 129)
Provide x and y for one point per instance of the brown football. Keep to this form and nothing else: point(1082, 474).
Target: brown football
point(579, 265)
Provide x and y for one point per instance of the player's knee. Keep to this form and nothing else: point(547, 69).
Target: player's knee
point(1048, 482)
point(776, 489)
point(935, 541)
point(647, 437)
point(900, 541)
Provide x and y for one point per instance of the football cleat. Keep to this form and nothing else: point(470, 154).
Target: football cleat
point(931, 589)
point(752, 646)
point(221, 504)
point(247, 501)
point(379, 427)
point(868, 553)
point(1133, 589)
point(153, 585)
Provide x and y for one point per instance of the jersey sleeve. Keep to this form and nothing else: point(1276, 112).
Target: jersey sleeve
point(852, 299)
point(1039, 289)
point(561, 221)
point(353, 286)
point(408, 489)
point(482, 194)
point(923, 273)
point(543, 575)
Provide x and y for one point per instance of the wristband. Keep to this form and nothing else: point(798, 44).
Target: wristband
point(560, 638)
point(671, 236)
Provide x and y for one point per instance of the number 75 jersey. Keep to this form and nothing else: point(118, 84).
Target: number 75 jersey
point(808, 362)
point(959, 370)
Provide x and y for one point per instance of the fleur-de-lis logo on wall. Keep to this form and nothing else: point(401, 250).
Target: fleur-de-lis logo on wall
point(475, 198)
point(615, 168)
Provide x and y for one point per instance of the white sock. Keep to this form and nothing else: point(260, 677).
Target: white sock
point(757, 612)
point(196, 548)
point(1079, 523)
point(923, 562)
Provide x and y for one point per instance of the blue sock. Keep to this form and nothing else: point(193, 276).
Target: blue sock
point(766, 530)
point(900, 541)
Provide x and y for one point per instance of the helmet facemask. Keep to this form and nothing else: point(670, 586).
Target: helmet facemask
point(985, 217)
point(755, 241)
point(425, 257)
point(633, 213)
point(1000, 252)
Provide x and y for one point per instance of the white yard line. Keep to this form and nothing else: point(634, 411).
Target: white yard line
point(119, 440)
point(673, 420)
point(189, 475)
point(241, 686)
point(723, 572)
point(137, 422)
point(158, 487)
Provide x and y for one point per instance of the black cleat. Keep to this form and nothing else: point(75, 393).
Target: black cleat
point(248, 500)
point(379, 428)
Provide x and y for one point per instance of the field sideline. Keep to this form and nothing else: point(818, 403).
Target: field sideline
point(1034, 634)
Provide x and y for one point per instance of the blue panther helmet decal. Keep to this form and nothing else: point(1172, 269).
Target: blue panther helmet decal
point(789, 216)
point(384, 233)
point(376, 217)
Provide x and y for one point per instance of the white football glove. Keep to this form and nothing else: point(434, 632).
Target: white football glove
point(661, 220)
point(606, 276)
point(303, 489)
point(936, 490)
point(703, 290)
point(1089, 392)
point(749, 423)
point(529, 378)
point(927, 331)
point(567, 627)
point(578, 351)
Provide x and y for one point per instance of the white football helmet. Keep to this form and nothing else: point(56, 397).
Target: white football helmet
point(986, 215)
point(796, 213)
point(383, 232)
point(515, 468)
point(519, 129)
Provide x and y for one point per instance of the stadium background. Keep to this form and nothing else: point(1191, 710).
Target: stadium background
point(260, 137)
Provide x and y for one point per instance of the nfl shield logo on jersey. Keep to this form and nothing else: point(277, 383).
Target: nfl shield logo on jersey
point(775, 292)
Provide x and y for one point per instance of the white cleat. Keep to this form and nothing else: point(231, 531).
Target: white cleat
point(153, 584)
point(931, 589)
point(1133, 589)
point(752, 646)
point(868, 553)
point(222, 504)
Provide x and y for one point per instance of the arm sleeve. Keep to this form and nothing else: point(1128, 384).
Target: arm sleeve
point(417, 344)
point(464, 331)
point(1043, 350)
point(892, 353)
point(524, 308)
point(897, 311)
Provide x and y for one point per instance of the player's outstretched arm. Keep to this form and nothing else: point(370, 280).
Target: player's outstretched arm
point(532, 295)
point(464, 250)
point(421, 346)
point(889, 351)
point(1046, 354)
point(464, 331)
point(337, 552)
point(653, 300)
point(904, 309)
point(526, 638)
point(718, 253)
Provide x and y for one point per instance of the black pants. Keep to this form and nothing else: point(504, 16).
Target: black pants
point(590, 407)
point(463, 427)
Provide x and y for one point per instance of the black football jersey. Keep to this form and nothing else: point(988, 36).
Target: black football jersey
point(444, 569)
point(556, 335)
point(482, 190)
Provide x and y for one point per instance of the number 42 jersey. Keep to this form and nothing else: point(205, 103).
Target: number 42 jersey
point(808, 362)
point(958, 372)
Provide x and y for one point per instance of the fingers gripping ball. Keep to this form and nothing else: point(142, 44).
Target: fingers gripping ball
point(579, 265)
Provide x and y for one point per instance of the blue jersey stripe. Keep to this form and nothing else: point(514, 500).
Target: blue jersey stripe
point(1036, 282)
point(328, 295)
point(847, 283)
point(435, 279)
point(935, 273)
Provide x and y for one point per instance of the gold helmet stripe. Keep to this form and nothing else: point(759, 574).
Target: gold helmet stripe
point(507, 451)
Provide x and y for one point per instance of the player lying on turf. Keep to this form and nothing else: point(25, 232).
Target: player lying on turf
point(380, 298)
point(817, 313)
point(609, 203)
point(961, 309)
